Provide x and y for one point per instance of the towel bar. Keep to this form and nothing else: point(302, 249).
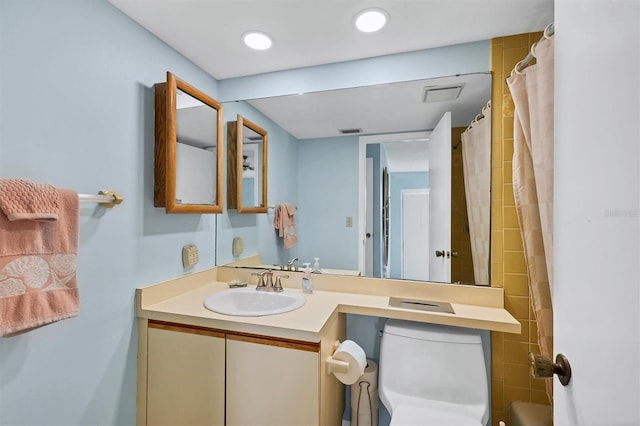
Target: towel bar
point(106, 198)
point(272, 207)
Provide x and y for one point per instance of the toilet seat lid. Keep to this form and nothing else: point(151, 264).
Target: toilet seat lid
point(416, 415)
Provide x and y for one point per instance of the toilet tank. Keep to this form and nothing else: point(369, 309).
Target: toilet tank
point(433, 362)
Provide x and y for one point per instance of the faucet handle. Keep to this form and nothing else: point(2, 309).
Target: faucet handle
point(278, 285)
point(260, 275)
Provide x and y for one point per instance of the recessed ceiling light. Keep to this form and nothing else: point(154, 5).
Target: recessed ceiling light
point(257, 40)
point(371, 20)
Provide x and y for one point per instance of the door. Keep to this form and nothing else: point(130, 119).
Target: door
point(369, 216)
point(596, 297)
point(415, 234)
point(440, 200)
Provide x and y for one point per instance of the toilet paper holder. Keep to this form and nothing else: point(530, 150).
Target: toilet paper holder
point(334, 365)
point(347, 361)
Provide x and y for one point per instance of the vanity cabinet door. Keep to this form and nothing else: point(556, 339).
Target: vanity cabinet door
point(185, 376)
point(272, 382)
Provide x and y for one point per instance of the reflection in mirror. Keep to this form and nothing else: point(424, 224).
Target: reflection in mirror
point(188, 157)
point(329, 180)
point(247, 166)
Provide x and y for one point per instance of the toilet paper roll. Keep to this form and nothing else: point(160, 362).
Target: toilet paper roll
point(351, 353)
point(370, 374)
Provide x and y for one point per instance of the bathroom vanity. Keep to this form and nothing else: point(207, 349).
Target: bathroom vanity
point(187, 367)
point(196, 366)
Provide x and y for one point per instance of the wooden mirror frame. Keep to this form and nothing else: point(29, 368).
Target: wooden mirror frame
point(234, 165)
point(166, 147)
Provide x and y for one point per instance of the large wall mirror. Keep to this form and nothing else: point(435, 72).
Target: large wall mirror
point(247, 145)
point(188, 149)
point(370, 178)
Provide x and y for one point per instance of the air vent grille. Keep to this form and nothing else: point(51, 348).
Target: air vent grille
point(350, 131)
point(441, 94)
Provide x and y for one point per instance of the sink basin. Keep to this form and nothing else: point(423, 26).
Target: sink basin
point(251, 303)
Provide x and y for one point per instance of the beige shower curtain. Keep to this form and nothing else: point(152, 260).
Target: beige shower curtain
point(532, 93)
point(476, 166)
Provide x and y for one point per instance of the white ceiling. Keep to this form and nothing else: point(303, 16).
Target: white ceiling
point(314, 32)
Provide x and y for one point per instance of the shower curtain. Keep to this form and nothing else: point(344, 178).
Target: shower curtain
point(476, 166)
point(532, 93)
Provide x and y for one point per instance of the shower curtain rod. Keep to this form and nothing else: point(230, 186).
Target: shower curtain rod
point(477, 118)
point(547, 33)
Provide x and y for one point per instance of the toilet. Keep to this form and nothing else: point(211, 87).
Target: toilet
point(432, 375)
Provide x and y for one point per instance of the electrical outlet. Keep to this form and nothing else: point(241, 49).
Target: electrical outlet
point(190, 255)
point(349, 221)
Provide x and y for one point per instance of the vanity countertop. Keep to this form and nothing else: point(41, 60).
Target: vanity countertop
point(181, 301)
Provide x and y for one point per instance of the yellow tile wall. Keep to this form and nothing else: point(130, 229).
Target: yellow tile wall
point(510, 379)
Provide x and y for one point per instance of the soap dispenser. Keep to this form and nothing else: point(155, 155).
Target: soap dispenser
point(316, 265)
point(307, 284)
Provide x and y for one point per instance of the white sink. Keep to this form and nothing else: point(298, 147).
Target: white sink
point(251, 303)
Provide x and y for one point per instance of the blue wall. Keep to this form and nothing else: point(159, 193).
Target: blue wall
point(257, 230)
point(76, 111)
point(327, 194)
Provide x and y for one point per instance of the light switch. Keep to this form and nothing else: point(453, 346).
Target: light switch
point(349, 221)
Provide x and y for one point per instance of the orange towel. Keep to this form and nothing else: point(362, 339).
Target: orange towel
point(21, 199)
point(285, 223)
point(38, 268)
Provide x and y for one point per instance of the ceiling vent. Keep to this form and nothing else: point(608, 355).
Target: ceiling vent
point(350, 131)
point(441, 94)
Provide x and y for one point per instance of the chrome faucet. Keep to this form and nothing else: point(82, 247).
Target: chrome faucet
point(291, 266)
point(265, 281)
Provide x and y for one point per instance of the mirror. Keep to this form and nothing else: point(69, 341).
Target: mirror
point(188, 149)
point(247, 166)
point(329, 218)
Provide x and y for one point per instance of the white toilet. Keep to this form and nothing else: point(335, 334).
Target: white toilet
point(433, 375)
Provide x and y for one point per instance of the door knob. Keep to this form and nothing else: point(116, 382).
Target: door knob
point(454, 254)
point(368, 235)
point(543, 368)
point(440, 253)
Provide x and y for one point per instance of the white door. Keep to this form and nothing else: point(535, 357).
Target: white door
point(440, 200)
point(414, 250)
point(369, 226)
point(596, 295)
